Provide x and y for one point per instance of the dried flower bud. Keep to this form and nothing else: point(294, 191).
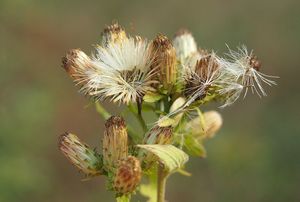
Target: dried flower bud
point(114, 142)
point(213, 122)
point(254, 62)
point(185, 44)
point(113, 34)
point(80, 154)
point(76, 63)
point(206, 66)
point(165, 59)
point(159, 135)
point(202, 76)
point(128, 175)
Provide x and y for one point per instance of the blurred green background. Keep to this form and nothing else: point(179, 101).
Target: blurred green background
point(254, 158)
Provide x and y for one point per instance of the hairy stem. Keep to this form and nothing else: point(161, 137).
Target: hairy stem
point(161, 183)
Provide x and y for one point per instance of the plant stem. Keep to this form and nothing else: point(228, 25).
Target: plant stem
point(142, 122)
point(102, 111)
point(161, 183)
point(124, 198)
point(139, 117)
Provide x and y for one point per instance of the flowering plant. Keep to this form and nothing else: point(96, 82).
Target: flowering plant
point(171, 79)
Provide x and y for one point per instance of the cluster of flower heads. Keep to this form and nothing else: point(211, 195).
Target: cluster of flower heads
point(125, 68)
point(175, 76)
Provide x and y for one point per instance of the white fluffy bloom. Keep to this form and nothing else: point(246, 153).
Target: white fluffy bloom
point(244, 68)
point(123, 71)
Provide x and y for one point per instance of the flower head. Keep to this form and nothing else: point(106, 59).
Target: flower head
point(80, 154)
point(159, 135)
point(128, 175)
point(165, 60)
point(123, 71)
point(184, 44)
point(245, 69)
point(77, 64)
point(206, 73)
point(115, 146)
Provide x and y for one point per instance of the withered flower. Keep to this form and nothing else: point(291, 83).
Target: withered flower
point(128, 175)
point(164, 56)
point(115, 146)
point(80, 154)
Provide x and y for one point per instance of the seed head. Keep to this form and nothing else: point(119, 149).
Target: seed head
point(205, 74)
point(128, 175)
point(114, 142)
point(80, 154)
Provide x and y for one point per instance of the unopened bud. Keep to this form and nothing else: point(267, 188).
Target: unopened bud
point(213, 122)
point(184, 44)
point(128, 175)
point(80, 154)
point(114, 142)
point(165, 60)
point(76, 63)
point(113, 34)
point(175, 108)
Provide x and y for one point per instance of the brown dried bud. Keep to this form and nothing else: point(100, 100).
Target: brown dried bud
point(206, 69)
point(76, 63)
point(128, 175)
point(213, 122)
point(206, 66)
point(113, 34)
point(254, 62)
point(159, 135)
point(80, 154)
point(114, 142)
point(164, 55)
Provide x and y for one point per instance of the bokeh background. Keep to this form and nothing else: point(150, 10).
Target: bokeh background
point(254, 158)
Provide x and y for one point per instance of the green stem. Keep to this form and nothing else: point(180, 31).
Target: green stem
point(124, 198)
point(139, 117)
point(161, 183)
point(102, 111)
point(142, 122)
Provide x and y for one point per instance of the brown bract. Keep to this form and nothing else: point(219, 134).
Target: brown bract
point(164, 58)
point(115, 146)
point(128, 175)
point(113, 34)
point(76, 62)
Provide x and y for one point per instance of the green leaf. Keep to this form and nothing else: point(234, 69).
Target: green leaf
point(152, 97)
point(169, 155)
point(165, 122)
